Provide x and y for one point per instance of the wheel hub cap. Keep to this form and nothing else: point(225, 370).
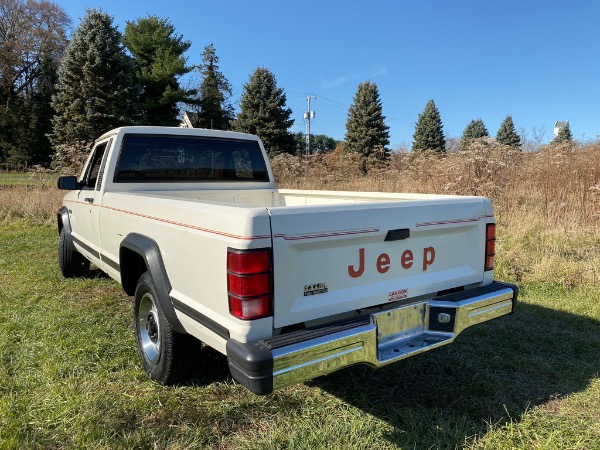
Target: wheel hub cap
point(152, 328)
point(149, 328)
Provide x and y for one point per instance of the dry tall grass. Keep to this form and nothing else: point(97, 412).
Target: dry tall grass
point(557, 186)
point(34, 203)
point(547, 203)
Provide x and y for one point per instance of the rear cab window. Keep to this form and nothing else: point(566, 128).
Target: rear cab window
point(169, 158)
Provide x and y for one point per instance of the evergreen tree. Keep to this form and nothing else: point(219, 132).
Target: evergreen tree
point(564, 135)
point(366, 131)
point(319, 143)
point(214, 110)
point(429, 134)
point(506, 133)
point(158, 55)
point(263, 112)
point(95, 86)
point(474, 130)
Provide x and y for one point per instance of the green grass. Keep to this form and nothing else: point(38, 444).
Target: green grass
point(27, 179)
point(70, 377)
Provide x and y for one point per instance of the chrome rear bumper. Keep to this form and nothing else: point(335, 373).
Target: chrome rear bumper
point(376, 340)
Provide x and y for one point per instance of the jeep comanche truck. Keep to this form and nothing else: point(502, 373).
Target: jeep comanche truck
point(288, 284)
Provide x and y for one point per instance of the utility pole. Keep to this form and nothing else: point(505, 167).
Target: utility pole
point(308, 115)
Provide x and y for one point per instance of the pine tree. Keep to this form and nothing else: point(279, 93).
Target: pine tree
point(319, 143)
point(215, 111)
point(564, 135)
point(474, 130)
point(506, 133)
point(159, 60)
point(429, 134)
point(263, 112)
point(366, 131)
point(95, 86)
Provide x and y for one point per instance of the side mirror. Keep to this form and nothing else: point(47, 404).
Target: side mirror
point(67, 183)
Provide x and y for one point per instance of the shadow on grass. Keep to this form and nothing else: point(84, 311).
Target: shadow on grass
point(211, 367)
point(490, 373)
point(93, 273)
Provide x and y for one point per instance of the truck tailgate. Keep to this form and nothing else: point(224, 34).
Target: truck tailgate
point(338, 258)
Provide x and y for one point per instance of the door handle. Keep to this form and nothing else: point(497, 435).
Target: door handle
point(397, 235)
point(89, 199)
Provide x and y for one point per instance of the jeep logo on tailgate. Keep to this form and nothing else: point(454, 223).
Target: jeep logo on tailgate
point(383, 262)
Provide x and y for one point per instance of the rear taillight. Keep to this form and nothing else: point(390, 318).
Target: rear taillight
point(490, 246)
point(249, 284)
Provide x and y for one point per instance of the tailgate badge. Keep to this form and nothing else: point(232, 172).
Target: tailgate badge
point(397, 295)
point(314, 289)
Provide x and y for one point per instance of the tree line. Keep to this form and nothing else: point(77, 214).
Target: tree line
point(58, 95)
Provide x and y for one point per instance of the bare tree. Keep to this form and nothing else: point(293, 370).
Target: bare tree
point(527, 145)
point(539, 133)
point(452, 144)
point(33, 35)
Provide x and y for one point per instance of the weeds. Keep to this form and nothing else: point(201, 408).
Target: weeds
point(556, 186)
point(547, 203)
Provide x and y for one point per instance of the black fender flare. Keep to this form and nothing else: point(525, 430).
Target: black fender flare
point(63, 221)
point(148, 249)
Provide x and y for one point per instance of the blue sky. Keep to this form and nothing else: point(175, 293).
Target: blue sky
point(536, 60)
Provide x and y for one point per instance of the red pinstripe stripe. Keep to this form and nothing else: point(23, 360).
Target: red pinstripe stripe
point(445, 222)
point(335, 233)
point(179, 224)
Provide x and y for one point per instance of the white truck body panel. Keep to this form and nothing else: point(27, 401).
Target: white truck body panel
point(323, 244)
point(334, 254)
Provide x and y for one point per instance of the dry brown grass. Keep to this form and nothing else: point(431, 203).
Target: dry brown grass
point(36, 203)
point(557, 186)
point(547, 203)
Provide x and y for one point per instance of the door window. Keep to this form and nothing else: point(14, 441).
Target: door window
point(93, 169)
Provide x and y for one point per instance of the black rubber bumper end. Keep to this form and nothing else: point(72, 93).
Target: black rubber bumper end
point(251, 365)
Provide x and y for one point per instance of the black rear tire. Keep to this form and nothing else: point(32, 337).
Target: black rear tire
point(72, 263)
point(166, 356)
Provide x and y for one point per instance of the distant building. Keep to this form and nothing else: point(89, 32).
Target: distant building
point(190, 120)
point(558, 126)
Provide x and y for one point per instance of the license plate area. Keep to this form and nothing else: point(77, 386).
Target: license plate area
point(404, 331)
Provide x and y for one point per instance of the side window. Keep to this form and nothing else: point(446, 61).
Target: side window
point(103, 165)
point(94, 166)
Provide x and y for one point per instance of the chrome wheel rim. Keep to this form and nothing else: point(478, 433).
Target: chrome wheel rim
point(149, 328)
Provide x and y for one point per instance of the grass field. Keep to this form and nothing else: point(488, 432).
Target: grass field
point(27, 179)
point(70, 377)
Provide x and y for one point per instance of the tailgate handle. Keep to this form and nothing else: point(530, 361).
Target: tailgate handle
point(397, 235)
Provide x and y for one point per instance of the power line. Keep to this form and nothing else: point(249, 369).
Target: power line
point(329, 129)
point(346, 105)
point(387, 117)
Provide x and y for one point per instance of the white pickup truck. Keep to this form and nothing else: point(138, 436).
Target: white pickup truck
point(288, 284)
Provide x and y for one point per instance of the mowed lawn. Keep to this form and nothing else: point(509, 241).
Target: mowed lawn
point(70, 377)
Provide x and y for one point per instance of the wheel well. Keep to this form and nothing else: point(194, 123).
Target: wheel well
point(132, 265)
